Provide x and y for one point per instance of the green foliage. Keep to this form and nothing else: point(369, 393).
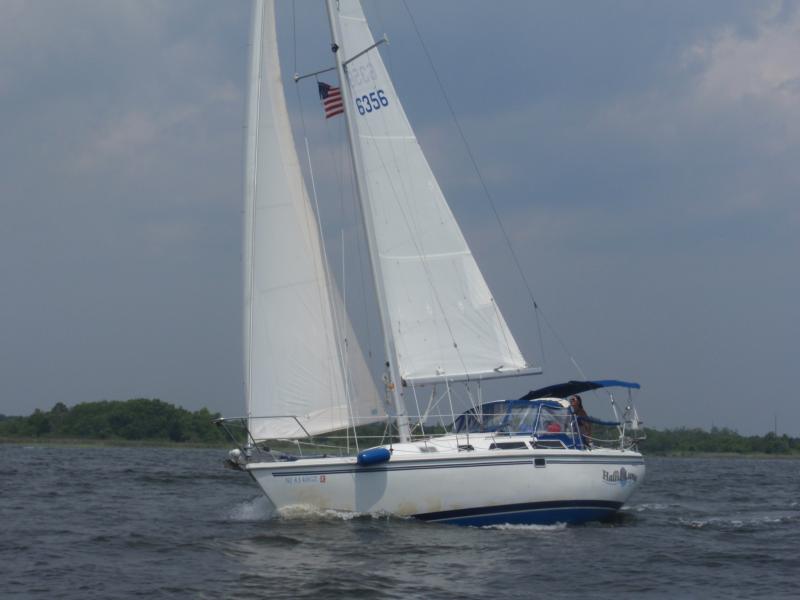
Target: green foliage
point(688, 441)
point(137, 419)
point(154, 420)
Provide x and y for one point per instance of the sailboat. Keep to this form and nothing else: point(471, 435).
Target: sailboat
point(524, 460)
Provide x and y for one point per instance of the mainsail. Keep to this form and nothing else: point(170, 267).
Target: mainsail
point(299, 371)
point(444, 321)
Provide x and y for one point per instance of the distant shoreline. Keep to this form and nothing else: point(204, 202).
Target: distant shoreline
point(754, 455)
point(150, 422)
point(92, 442)
point(107, 443)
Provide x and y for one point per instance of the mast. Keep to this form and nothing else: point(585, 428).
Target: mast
point(394, 383)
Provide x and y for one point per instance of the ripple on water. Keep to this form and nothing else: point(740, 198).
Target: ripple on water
point(139, 521)
point(277, 540)
point(743, 523)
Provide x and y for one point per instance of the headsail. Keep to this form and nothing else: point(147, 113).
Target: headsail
point(294, 354)
point(444, 320)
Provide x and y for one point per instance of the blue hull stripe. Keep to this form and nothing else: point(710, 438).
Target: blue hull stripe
point(543, 513)
point(421, 467)
point(405, 468)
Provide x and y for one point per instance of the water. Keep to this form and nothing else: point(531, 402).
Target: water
point(172, 523)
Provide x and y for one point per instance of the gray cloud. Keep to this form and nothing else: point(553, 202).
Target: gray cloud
point(643, 159)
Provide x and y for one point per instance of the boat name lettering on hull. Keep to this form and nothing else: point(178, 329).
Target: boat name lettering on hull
point(299, 479)
point(620, 476)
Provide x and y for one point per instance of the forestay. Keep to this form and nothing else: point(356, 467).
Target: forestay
point(444, 320)
point(295, 361)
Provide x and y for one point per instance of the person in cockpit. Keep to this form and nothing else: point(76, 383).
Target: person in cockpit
point(584, 425)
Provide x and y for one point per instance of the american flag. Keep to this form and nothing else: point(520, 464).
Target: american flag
point(331, 99)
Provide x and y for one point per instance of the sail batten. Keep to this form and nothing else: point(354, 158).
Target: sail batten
point(444, 321)
point(300, 377)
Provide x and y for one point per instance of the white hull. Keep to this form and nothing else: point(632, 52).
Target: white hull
point(469, 487)
point(430, 293)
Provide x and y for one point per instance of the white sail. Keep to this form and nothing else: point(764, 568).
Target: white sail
point(294, 357)
point(433, 302)
point(444, 320)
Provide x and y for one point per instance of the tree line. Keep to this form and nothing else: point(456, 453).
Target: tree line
point(718, 440)
point(144, 419)
point(136, 419)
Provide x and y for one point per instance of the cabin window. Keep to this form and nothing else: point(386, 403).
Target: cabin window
point(553, 420)
point(521, 419)
point(493, 417)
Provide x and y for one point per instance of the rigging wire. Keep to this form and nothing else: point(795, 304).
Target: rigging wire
point(411, 219)
point(408, 220)
point(361, 243)
point(341, 343)
point(344, 166)
point(341, 326)
point(294, 38)
point(515, 258)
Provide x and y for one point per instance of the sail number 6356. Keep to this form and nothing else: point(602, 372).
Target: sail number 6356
point(374, 101)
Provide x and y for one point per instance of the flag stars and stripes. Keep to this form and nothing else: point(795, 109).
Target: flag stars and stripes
point(331, 99)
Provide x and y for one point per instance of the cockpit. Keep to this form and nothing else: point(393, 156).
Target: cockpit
point(550, 421)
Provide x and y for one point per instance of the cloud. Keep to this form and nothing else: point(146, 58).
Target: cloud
point(714, 134)
point(132, 133)
point(761, 66)
point(653, 148)
point(750, 83)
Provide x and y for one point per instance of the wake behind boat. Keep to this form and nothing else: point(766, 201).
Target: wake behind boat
point(531, 460)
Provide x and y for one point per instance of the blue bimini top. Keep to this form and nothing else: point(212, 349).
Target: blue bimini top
point(564, 390)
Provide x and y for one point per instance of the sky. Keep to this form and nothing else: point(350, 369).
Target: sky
point(643, 159)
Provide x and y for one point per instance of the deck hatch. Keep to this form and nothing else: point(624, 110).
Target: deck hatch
point(508, 446)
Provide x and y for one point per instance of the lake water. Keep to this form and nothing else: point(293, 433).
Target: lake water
point(172, 523)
